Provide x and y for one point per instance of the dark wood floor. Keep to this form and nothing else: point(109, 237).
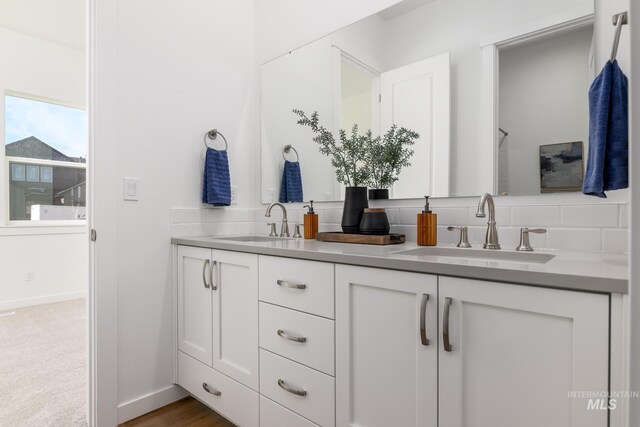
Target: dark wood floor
point(187, 412)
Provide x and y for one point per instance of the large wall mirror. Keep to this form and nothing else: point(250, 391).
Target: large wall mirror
point(422, 64)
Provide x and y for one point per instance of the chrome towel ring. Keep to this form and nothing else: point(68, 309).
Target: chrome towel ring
point(287, 149)
point(212, 135)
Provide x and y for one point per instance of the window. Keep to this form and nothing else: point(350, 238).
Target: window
point(45, 154)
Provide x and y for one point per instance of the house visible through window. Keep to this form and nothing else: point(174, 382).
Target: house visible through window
point(45, 153)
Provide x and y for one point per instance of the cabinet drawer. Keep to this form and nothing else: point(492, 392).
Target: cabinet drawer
point(274, 415)
point(302, 285)
point(318, 403)
point(235, 402)
point(317, 350)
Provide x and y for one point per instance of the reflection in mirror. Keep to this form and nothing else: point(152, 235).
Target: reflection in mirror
point(543, 112)
point(347, 78)
point(419, 64)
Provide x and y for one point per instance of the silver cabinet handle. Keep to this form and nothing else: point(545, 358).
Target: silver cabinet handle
point(290, 389)
point(290, 337)
point(204, 273)
point(423, 320)
point(214, 264)
point(445, 324)
point(286, 284)
point(211, 390)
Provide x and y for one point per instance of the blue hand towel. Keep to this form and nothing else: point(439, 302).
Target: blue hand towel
point(291, 185)
point(216, 188)
point(608, 161)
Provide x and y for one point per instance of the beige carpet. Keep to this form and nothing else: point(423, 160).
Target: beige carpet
point(43, 366)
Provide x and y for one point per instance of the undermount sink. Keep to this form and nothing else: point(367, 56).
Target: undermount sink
point(252, 238)
point(498, 255)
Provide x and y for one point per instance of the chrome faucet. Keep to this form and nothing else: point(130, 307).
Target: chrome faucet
point(284, 231)
point(491, 239)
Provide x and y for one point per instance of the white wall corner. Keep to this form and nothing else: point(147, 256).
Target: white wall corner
point(150, 402)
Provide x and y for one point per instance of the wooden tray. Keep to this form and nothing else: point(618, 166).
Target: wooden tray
point(367, 239)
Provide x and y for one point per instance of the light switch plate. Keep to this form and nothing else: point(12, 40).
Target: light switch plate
point(130, 189)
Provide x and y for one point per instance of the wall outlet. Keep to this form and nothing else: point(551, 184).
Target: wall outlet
point(31, 276)
point(234, 194)
point(271, 194)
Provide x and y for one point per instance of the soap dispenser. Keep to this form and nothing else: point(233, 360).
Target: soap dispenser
point(310, 222)
point(427, 226)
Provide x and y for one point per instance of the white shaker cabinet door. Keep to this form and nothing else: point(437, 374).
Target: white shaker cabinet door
point(235, 316)
point(516, 353)
point(194, 303)
point(386, 348)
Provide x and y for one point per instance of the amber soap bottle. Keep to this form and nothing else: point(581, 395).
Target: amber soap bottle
point(310, 222)
point(427, 226)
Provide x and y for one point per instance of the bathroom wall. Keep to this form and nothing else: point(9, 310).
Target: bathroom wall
point(56, 255)
point(183, 68)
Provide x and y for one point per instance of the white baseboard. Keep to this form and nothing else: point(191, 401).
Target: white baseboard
point(48, 299)
point(150, 402)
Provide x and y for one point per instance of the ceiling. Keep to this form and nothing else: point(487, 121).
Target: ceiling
point(402, 8)
point(59, 21)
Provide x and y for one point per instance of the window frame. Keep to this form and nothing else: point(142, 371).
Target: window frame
point(27, 227)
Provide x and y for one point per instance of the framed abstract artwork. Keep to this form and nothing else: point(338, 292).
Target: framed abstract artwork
point(561, 167)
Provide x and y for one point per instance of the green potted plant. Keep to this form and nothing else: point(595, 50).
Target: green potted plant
point(386, 157)
point(348, 157)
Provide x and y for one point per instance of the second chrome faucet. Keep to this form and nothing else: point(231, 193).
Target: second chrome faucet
point(491, 240)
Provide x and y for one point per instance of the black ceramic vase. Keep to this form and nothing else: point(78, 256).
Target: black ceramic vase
point(378, 194)
point(355, 202)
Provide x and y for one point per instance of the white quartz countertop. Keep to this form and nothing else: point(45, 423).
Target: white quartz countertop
point(593, 272)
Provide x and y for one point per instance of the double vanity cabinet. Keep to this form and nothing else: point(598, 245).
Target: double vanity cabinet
point(273, 341)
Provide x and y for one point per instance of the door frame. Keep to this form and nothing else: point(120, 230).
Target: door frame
point(489, 139)
point(102, 203)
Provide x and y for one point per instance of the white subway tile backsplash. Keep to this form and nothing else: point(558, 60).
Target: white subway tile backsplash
point(215, 215)
point(451, 216)
point(585, 227)
point(575, 239)
point(239, 215)
point(624, 216)
point(409, 216)
point(331, 215)
point(538, 216)
point(503, 216)
point(592, 216)
point(446, 237)
point(615, 241)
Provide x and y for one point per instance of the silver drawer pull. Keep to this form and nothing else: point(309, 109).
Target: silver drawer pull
point(214, 264)
point(284, 335)
point(211, 390)
point(423, 320)
point(204, 273)
point(286, 284)
point(291, 390)
point(445, 324)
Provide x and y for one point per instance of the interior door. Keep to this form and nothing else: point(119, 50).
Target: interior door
point(518, 352)
point(417, 97)
point(235, 316)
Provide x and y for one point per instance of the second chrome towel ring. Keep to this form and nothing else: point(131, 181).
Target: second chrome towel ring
point(287, 149)
point(212, 135)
